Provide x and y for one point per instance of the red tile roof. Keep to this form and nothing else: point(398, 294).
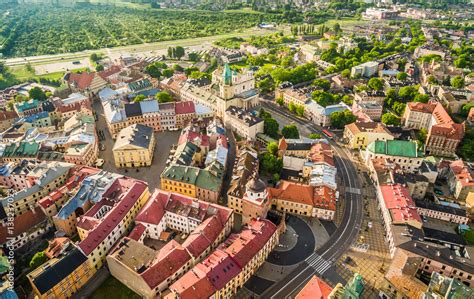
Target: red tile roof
point(114, 69)
point(314, 289)
point(22, 224)
point(169, 260)
point(193, 284)
point(114, 216)
point(321, 152)
point(193, 137)
point(400, 204)
point(185, 107)
point(204, 236)
point(154, 209)
point(422, 107)
point(462, 172)
point(81, 80)
point(220, 268)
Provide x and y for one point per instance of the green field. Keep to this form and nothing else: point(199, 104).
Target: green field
point(112, 288)
point(38, 30)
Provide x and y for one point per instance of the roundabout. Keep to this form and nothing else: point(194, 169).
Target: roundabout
point(296, 244)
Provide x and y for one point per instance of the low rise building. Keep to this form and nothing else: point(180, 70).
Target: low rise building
point(150, 272)
point(460, 179)
point(404, 153)
point(367, 69)
point(442, 211)
point(231, 265)
point(61, 277)
point(134, 146)
point(108, 220)
point(244, 123)
point(360, 134)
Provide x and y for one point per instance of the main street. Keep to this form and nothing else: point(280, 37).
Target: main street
point(322, 261)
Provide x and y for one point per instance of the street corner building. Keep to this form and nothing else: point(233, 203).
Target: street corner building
point(134, 146)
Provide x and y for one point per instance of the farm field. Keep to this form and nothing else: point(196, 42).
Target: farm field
point(31, 31)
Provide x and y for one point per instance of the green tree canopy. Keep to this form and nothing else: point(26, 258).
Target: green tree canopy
point(270, 127)
point(375, 84)
point(341, 118)
point(164, 97)
point(402, 76)
point(139, 98)
point(37, 93)
point(272, 148)
point(323, 98)
point(390, 119)
point(290, 132)
point(322, 83)
point(37, 260)
point(457, 82)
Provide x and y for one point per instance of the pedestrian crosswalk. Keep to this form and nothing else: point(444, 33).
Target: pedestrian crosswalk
point(318, 263)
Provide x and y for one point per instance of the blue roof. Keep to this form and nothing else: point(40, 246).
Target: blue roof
point(8, 294)
point(35, 117)
point(149, 106)
point(334, 108)
point(107, 93)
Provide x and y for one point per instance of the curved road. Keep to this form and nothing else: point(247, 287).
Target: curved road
point(322, 261)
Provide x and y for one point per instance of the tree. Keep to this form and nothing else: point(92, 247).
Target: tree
point(154, 69)
point(322, 83)
point(299, 110)
point(466, 148)
point(422, 98)
point(336, 27)
point(272, 148)
point(199, 75)
point(3, 67)
point(95, 57)
point(407, 93)
point(139, 98)
point(179, 52)
point(99, 68)
point(323, 98)
point(375, 84)
point(178, 68)
point(37, 260)
point(402, 76)
point(164, 97)
point(292, 107)
point(270, 164)
point(20, 98)
point(466, 108)
point(193, 56)
point(315, 136)
point(469, 237)
point(457, 82)
point(346, 73)
point(37, 93)
point(422, 135)
point(398, 107)
point(390, 120)
point(168, 73)
point(170, 52)
point(341, 118)
point(280, 101)
point(290, 132)
point(270, 127)
point(265, 85)
point(432, 80)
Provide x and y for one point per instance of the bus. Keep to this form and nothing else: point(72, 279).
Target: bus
point(328, 134)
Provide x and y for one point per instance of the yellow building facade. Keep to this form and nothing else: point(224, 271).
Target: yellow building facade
point(134, 147)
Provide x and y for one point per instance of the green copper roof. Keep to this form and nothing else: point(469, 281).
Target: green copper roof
point(181, 173)
point(31, 104)
point(400, 148)
point(227, 75)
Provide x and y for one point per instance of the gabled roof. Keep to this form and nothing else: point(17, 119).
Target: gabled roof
point(316, 288)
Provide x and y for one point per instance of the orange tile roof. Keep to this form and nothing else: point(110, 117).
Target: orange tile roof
point(314, 289)
point(325, 198)
point(293, 192)
point(422, 107)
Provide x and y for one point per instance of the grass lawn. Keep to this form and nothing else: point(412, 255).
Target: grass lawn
point(112, 288)
point(21, 73)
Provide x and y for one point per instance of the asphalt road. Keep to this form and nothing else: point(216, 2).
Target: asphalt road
point(321, 262)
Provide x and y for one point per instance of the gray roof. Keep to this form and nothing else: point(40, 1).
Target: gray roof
point(137, 135)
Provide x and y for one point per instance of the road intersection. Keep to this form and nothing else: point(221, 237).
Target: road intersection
point(322, 261)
